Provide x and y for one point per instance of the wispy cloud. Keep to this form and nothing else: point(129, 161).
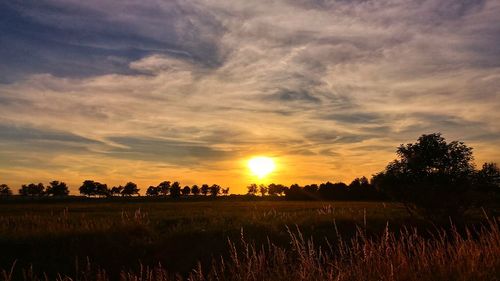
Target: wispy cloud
point(196, 86)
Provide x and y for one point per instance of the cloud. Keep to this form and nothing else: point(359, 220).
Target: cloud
point(166, 151)
point(16, 134)
point(354, 117)
point(318, 84)
point(31, 148)
point(75, 39)
point(293, 96)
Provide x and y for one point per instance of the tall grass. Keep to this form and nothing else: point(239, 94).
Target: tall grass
point(393, 255)
point(29, 225)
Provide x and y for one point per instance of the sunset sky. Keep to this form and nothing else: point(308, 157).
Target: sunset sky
point(146, 91)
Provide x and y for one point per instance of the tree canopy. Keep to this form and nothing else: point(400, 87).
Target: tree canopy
point(433, 177)
point(5, 190)
point(130, 189)
point(93, 188)
point(57, 188)
point(32, 189)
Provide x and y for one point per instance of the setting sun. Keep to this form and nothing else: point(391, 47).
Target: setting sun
point(261, 166)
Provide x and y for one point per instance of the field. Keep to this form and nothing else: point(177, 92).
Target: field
point(238, 239)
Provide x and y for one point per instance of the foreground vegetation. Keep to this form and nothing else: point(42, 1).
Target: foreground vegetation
point(237, 239)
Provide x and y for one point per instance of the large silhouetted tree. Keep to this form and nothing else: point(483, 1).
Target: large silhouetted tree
point(175, 190)
point(431, 177)
point(195, 190)
point(164, 187)
point(57, 188)
point(205, 188)
point(102, 189)
point(214, 190)
point(32, 189)
point(116, 190)
point(5, 190)
point(87, 188)
point(186, 190)
point(263, 189)
point(272, 189)
point(276, 189)
point(93, 188)
point(130, 189)
point(252, 189)
point(153, 191)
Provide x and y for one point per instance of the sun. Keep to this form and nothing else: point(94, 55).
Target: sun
point(261, 166)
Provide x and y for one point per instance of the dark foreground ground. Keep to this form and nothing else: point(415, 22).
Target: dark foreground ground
point(62, 238)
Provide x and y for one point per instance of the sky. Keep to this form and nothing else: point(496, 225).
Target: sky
point(146, 91)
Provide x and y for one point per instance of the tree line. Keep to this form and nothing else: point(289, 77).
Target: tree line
point(430, 177)
point(358, 189)
point(92, 188)
point(55, 188)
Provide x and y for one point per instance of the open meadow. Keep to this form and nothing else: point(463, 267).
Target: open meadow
point(215, 140)
point(238, 239)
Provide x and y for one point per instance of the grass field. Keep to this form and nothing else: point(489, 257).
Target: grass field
point(137, 239)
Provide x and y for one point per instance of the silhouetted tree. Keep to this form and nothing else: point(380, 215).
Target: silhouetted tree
point(130, 189)
point(276, 189)
point(205, 189)
point(57, 188)
point(487, 182)
point(164, 188)
point(186, 190)
point(252, 189)
point(93, 188)
point(175, 190)
point(333, 191)
point(272, 189)
point(214, 190)
point(153, 191)
point(87, 188)
point(102, 190)
point(489, 177)
point(32, 189)
point(361, 189)
point(431, 177)
point(263, 189)
point(5, 190)
point(195, 190)
point(116, 190)
point(311, 189)
point(225, 191)
point(295, 192)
